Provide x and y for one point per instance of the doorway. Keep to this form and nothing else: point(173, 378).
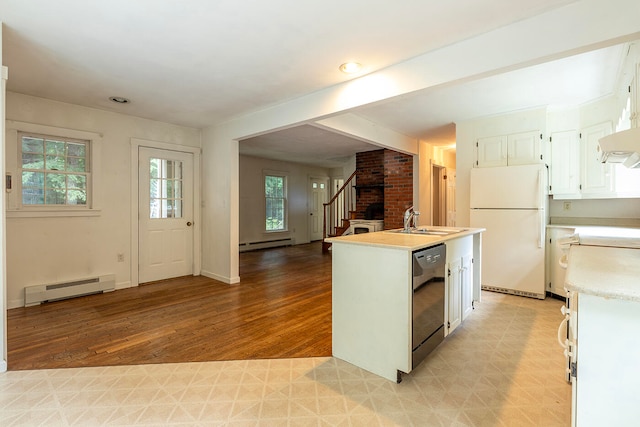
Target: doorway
point(317, 198)
point(438, 195)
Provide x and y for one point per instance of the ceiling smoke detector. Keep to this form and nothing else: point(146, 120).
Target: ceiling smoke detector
point(119, 99)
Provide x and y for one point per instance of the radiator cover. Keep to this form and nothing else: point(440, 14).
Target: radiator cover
point(34, 295)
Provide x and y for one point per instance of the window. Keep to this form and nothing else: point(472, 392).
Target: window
point(55, 171)
point(275, 191)
point(165, 186)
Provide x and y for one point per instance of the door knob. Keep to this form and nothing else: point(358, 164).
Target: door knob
point(188, 223)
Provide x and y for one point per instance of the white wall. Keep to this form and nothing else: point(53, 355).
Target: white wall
point(252, 198)
point(45, 250)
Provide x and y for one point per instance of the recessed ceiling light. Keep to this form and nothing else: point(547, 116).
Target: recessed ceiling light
point(350, 67)
point(119, 99)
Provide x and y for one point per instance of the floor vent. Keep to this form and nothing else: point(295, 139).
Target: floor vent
point(266, 244)
point(56, 291)
point(513, 292)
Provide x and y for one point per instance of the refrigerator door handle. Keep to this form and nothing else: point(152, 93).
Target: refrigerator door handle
point(540, 192)
point(541, 229)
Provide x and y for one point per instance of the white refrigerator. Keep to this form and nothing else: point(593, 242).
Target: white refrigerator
point(511, 203)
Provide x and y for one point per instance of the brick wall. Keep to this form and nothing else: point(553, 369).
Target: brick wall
point(384, 177)
point(398, 187)
point(369, 181)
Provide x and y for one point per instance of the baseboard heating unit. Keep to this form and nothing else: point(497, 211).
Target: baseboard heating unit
point(252, 246)
point(56, 291)
point(512, 292)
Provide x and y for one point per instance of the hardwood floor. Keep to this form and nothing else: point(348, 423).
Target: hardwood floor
point(281, 308)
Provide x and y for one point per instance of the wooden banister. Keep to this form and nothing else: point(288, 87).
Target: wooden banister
point(338, 209)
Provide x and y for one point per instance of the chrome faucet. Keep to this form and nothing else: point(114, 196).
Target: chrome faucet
point(409, 215)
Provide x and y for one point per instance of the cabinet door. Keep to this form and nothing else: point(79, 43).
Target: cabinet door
point(555, 273)
point(491, 152)
point(524, 148)
point(466, 285)
point(597, 179)
point(454, 305)
point(565, 165)
point(634, 93)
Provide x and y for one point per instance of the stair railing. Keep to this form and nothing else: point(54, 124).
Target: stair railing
point(339, 207)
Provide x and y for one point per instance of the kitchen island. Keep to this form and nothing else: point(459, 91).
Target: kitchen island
point(604, 320)
point(373, 293)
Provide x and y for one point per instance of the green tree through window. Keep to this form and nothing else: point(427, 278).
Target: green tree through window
point(275, 201)
point(54, 170)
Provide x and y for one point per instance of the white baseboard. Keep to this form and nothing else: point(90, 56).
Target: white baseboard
point(15, 303)
point(123, 285)
point(3, 366)
point(224, 279)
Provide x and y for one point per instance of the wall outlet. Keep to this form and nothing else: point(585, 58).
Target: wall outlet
point(566, 206)
point(120, 257)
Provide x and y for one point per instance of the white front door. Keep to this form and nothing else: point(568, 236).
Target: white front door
point(165, 193)
point(317, 197)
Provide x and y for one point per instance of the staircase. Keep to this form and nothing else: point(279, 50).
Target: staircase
point(338, 211)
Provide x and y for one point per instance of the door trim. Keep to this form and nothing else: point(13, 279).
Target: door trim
point(327, 197)
point(197, 234)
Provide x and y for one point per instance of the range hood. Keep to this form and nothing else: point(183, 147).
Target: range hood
point(621, 147)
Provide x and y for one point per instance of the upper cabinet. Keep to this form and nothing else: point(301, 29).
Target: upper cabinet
point(508, 150)
point(634, 97)
point(597, 177)
point(565, 178)
point(576, 172)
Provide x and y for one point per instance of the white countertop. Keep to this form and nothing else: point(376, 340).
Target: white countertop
point(607, 272)
point(404, 241)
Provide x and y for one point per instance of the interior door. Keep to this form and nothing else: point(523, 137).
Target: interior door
point(451, 197)
point(317, 196)
point(165, 214)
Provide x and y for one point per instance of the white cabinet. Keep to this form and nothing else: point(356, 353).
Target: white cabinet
point(634, 93)
point(606, 355)
point(454, 303)
point(576, 172)
point(466, 285)
point(459, 283)
point(597, 177)
point(491, 152)
point(524, 148)
point(554, 272)
point(507, 150)
point(565, 164)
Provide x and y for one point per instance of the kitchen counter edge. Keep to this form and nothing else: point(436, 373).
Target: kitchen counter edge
point(401, 241)
point(607, 272)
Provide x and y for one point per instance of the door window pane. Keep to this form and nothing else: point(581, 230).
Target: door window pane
point(165, 188)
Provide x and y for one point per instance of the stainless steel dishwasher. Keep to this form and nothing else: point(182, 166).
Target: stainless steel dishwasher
point(429, 269)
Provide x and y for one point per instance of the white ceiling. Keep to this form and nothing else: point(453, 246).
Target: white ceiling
point(201, 62)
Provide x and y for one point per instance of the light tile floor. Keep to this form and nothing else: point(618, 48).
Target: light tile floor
point(502, 367)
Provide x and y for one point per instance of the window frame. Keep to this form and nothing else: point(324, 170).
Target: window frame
point(13, 173)
point(46, 171)
point(285, 219)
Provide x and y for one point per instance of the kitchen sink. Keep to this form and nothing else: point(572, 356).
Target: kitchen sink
point(433, 231)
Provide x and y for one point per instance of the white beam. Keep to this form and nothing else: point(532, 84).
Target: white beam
point(368, 131)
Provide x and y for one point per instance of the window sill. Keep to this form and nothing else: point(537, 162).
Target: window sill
point(52, 213)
